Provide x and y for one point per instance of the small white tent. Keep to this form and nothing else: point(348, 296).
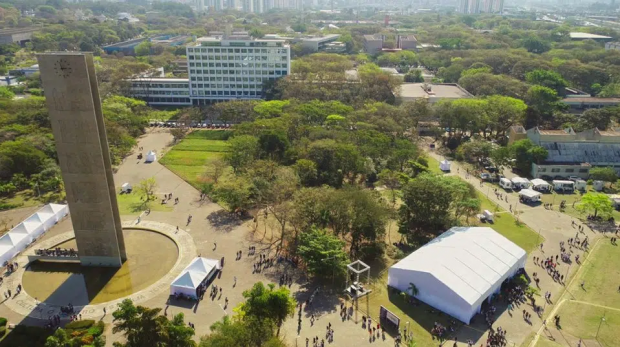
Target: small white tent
point(520, 182)
point(187, 283)
point(198, 271)
point(540, 184)
point(150, 157)
point(460, 269)
point(529, 195)
point(444, 166)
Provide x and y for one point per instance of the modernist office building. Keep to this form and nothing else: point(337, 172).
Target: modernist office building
point(221, 67)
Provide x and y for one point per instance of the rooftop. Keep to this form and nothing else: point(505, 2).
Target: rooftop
point(592, 100)
point(468, 260)
point(321, 38)
point(444, 90)
point(578, 35)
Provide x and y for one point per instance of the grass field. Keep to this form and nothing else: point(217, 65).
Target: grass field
point(544, 342)
point(506, 224)
point(582, 322)
point(190, 158)
point(601, 273)
point(130, 204)
point(420, 319)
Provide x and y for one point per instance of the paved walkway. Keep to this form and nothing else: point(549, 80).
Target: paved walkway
point(554, 227)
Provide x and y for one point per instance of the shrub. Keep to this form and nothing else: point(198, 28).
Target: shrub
point(2, 321)
point(522, 280)
point(36, 91)
point(87, 339)
point(8, 206)
point(80, 324)
point(96, 329)
point(2, 331)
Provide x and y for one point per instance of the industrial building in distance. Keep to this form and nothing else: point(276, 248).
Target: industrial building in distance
point(572, 153)
point(16, 35)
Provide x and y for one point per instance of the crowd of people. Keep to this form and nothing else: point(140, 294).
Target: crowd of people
point(56, 252)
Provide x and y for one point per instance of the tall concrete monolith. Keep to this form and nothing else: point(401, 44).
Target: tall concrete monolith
point(72, 97)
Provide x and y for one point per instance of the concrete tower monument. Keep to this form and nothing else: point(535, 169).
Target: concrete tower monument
point(72, 97)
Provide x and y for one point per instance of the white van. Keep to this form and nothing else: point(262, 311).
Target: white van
point(505, 183)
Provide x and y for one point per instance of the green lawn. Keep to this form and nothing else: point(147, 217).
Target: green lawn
point(191, 157)
point(506, 224)
point(26, 198)
point(131, 204)
point(582, 321)
point(544, 342)
point(601, 273)
point(420, 319)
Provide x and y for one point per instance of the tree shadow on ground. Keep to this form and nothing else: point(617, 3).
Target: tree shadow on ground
point(225, 221)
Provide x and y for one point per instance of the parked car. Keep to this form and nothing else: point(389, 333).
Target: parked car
point(485, 176)
point(558, 177)
point(546, 177)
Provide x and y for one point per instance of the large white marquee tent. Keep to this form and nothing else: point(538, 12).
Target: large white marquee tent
point(18, 238)
point(198, 271)
point(459, 269)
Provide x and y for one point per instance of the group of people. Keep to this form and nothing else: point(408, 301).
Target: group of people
point(57, 252)
point(11, 267)
point(497, 338)
point(167, 197)
point(264, 262)
point(53, 321)
point(67, 309)
point(286, 280)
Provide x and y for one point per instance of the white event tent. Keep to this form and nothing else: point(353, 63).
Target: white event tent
point(540, 183)
point(30, 229)
point(458, 270)
point(198, 271)
point(520, 182)
point(530, 195)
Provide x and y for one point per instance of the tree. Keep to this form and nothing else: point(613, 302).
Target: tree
point(597, 204)
point(428, 204)
point(541, 104)
point(323, 253)
point(216, 168)
point(143, 48)
point(598, 118)
point(474, 151)
point(307, 171)
point(535, 44)
point(605, 174)
point(268, 303)
point(243, 151)
point(503, 112)
point(146, 188)
point(249, 331)
point(236, 192)
point(390, 179)
point(414, 76)
point(525, 152)
point(549, 79)
point(486, 84)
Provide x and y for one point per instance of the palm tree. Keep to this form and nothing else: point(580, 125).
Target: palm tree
point(413, 289)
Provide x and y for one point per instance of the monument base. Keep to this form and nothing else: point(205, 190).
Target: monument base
point(101, 261)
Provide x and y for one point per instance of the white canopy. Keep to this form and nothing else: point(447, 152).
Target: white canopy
point(530, 194)
point(459, 269)
point(199, 270)
point(444, 165)
point(150, 157)
point(126, 187)
point(29, 230)
point(537, 182)
point(520, 181)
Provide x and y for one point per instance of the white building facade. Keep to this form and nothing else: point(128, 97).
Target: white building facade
point(235, 67)
point(220, 68)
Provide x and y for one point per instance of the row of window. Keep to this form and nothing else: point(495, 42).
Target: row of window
point(233, 79)
point(239, 65)
point(160, 85)
point(239, 50)
point(239, 57)
point(232, 72)
point(227, 86)
point(237, 72)
point(162, 92)
point(226, 93)
point(169, 100)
